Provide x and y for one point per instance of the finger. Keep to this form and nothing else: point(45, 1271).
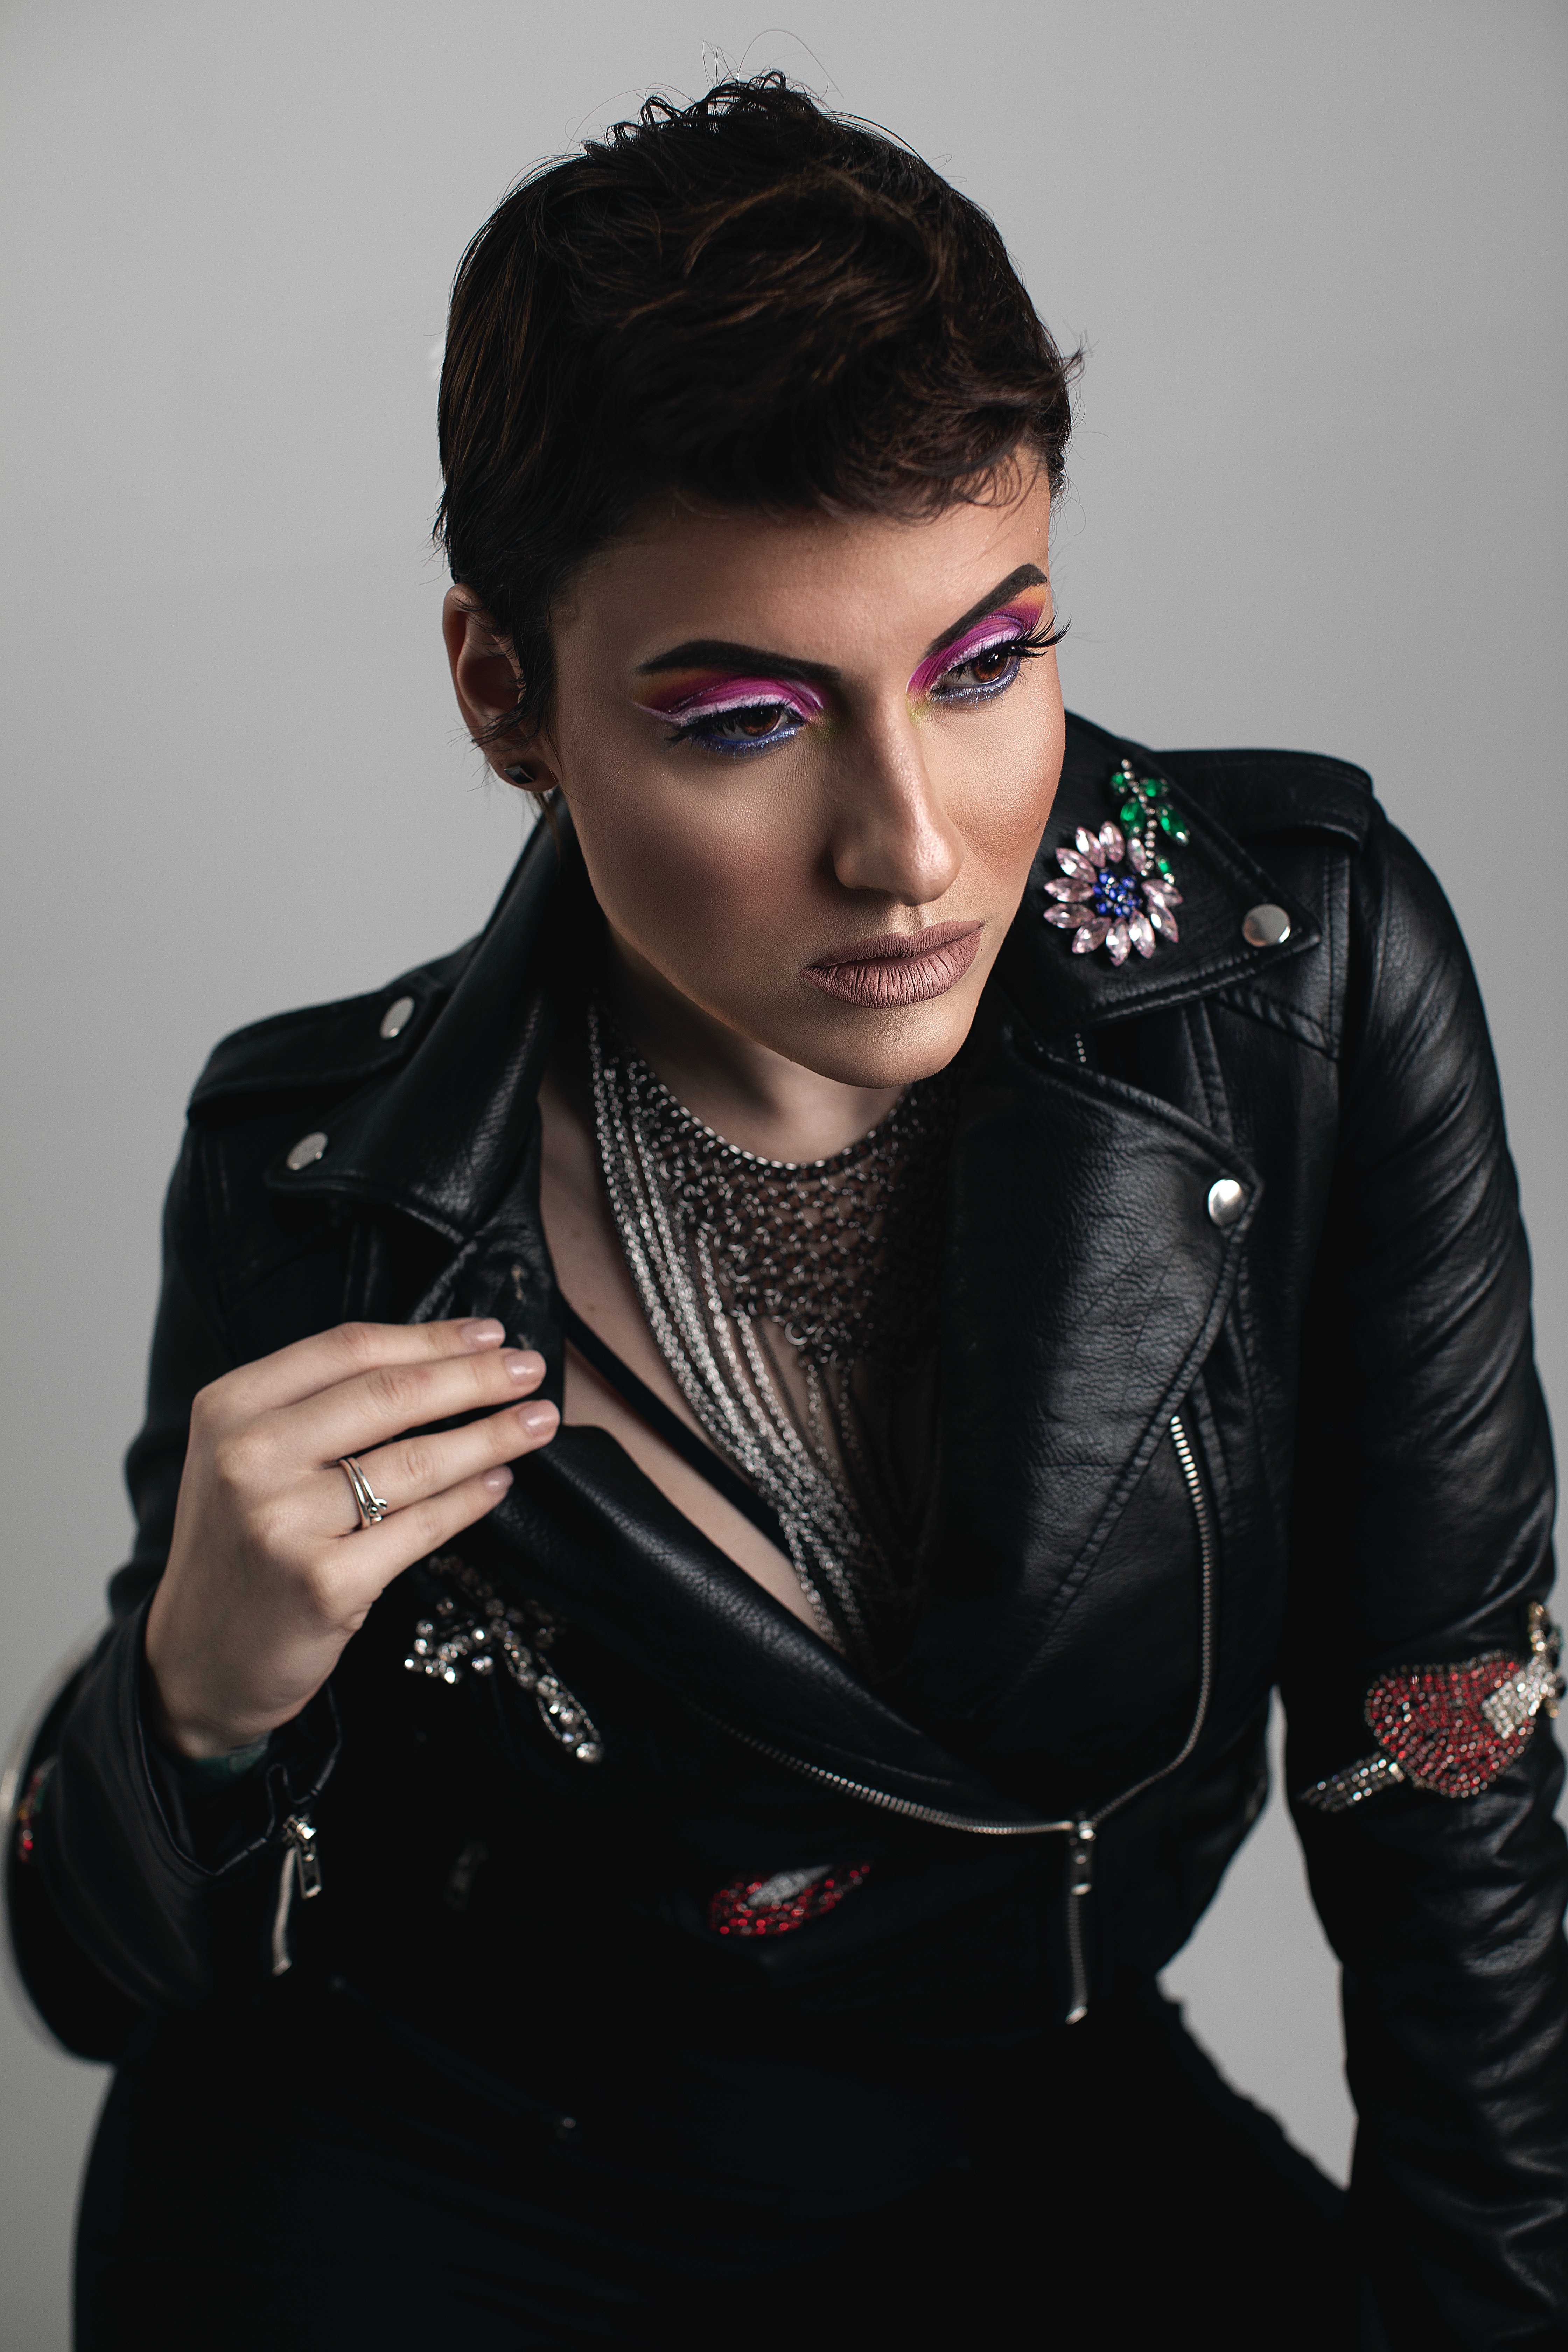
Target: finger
point(367, 1561)
point(376, 1406)
point(328, 1358)
point(416, 1467)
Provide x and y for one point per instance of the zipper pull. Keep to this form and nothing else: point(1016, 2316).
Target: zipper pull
point(302, 1868)
point(300, 1832)
point(1080, 1886)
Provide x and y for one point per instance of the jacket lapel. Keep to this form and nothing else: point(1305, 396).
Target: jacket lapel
point(1085, 1282)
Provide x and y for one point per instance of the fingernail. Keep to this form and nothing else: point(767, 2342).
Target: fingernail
point(498, 1480)
point(484, 1331)
point(525, 1364)
point(539, 1420)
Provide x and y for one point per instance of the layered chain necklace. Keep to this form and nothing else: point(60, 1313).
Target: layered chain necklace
point(795, 1303)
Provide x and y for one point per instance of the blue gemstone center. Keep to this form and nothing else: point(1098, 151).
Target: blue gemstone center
point(1115, 895)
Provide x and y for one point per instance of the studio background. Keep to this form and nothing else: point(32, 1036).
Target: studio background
point(1316, 499)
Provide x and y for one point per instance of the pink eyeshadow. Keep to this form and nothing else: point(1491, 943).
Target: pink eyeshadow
point(682, 700)
point(996, 629)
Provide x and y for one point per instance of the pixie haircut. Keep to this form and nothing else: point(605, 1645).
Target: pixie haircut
point(748, 302)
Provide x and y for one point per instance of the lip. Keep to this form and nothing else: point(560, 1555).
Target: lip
point(898, 967)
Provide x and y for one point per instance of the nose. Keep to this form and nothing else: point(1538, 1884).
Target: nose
point(889, 833)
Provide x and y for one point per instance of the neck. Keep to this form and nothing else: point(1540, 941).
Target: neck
point(753, 1097)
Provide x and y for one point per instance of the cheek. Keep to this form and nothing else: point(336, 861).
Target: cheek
point(694, 875)
point(1000, 790)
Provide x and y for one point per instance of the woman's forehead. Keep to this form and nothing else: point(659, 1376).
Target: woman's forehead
point(804, 583)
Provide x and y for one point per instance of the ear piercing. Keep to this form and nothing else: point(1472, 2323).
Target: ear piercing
point(518, 775)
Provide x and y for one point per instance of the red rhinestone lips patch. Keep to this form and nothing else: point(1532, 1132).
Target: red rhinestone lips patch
point(773, 1906)
point(1450, 1729)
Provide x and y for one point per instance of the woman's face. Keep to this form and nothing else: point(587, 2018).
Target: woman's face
point(809, 762)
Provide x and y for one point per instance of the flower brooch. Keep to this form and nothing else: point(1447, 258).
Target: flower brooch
point(1121, 911)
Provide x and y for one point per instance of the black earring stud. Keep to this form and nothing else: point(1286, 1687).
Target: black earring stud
point(518, 775)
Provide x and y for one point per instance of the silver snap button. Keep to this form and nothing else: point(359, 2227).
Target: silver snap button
point(1266, 927)
point(1226, 1201)
point(309, 1149)
point(397, 1016)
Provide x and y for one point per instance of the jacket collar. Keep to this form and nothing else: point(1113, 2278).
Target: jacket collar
point(442, 1138)
point(1058, 991)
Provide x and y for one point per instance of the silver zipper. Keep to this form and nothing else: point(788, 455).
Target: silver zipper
point(1200, 1503)
point(1080, 1886)
point(1084, 1829)
point(302, 1869)
point(880, 1798)
point(1080, 1860)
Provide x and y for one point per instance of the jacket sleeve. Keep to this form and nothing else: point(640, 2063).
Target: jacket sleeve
point(162, 1883)
point(1421, 1530)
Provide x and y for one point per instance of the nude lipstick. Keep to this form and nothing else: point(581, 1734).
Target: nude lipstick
point(898, 967)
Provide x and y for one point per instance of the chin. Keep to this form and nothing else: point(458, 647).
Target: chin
point(859, 1046)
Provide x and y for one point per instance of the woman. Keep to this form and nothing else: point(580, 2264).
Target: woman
point(730, 1468)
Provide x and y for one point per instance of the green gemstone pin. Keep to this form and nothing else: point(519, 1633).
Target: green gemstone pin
point(1146, 809)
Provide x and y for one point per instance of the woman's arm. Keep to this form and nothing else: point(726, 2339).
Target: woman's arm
point(251, 1574)
point(1422, 1531)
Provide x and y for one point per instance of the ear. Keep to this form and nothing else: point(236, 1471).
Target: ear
point(488, 682)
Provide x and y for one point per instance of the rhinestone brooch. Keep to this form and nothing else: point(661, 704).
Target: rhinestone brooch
point(1450, 1729)
point(1121, 911)
point(776, 1906)
point(472, 1635)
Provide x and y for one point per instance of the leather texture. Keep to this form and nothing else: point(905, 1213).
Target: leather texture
point(1366, 1482)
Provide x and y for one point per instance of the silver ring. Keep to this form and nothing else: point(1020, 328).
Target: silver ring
point(372, 1509)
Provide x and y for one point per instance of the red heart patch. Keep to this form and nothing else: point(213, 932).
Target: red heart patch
point(1430, 1720)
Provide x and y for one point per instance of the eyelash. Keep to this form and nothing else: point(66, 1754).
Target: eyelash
point(708, 731)
point(1027, 647)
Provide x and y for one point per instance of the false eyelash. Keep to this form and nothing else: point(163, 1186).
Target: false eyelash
point(1026, 647)
point(1037, 640)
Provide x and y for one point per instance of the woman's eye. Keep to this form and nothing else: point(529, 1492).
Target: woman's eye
point(753, 727)
point(988, 672)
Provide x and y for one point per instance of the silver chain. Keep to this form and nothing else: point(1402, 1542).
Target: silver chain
point(839, 1257)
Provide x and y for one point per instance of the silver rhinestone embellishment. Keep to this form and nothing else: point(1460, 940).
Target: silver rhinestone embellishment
point(470, 1636)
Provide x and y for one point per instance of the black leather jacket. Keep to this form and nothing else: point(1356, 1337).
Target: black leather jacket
point(1182, 1460)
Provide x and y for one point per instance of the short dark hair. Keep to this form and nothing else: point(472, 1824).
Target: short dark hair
point(749, 300)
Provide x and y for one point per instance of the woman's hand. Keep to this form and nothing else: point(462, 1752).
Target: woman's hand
point(270, 1572)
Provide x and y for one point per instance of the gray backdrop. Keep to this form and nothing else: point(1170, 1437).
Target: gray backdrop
point(1317, 500)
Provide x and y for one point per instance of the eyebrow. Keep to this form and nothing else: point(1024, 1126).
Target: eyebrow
point(1027, 575)
point(720, 653)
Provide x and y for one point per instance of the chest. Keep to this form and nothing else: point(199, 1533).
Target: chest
point(591, 1270)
